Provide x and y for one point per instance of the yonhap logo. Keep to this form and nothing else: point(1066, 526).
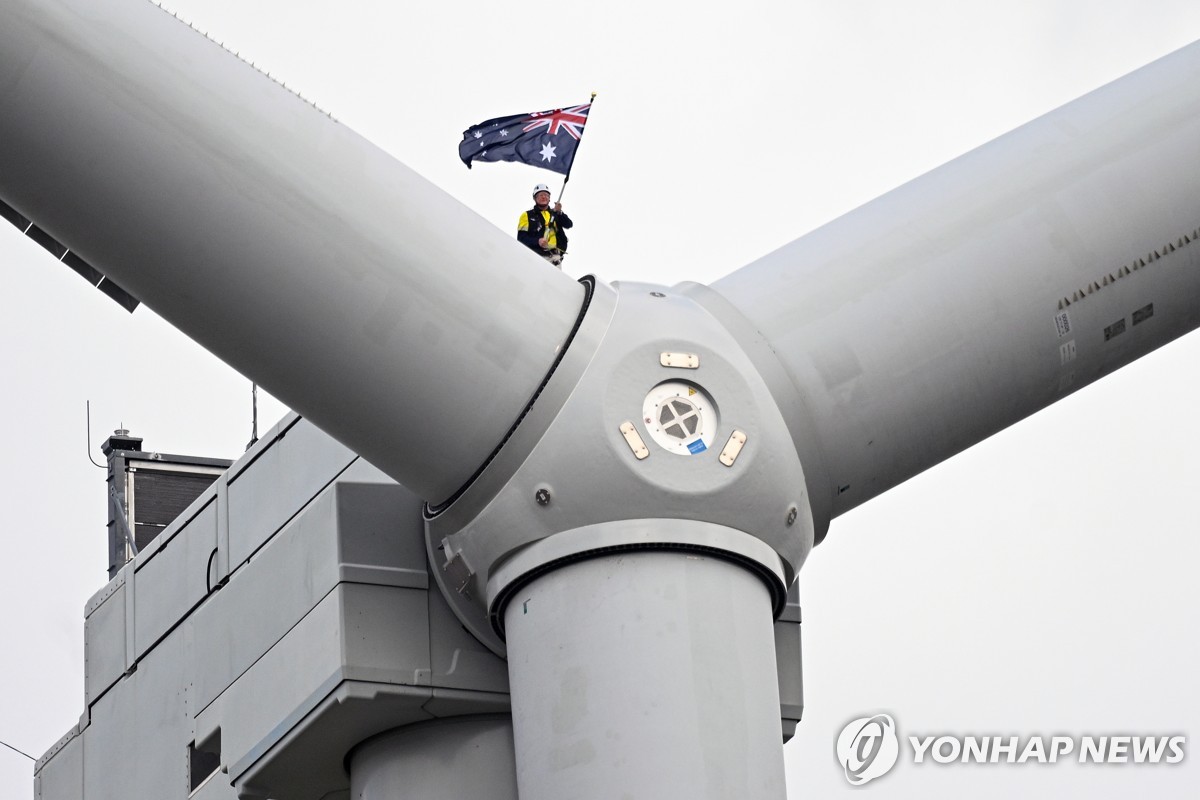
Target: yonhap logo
point(867, 748)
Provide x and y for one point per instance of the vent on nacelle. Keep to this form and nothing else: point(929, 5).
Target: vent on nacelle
point(147, 491)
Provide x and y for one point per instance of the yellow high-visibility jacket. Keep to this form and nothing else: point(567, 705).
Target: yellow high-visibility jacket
point(537, 223)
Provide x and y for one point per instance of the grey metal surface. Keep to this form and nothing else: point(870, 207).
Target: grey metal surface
point(789, 664)
point(689, 539)
point(465, 757)
point(305, 549)
point(137, 736)
point(175, 580)
point(300, 464)
point(104, 630)
point(324, 637)
point(457, 659)
point(65, 778)
point(924, 321)
point(571, 448)
point(645, 674)
point(293, 678)
point(603, 538)
point(242, 214)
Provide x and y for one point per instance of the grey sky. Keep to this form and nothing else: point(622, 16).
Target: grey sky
point(1038, 583)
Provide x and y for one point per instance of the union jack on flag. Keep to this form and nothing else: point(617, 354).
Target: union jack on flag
point(568, 120)
point(546, 139)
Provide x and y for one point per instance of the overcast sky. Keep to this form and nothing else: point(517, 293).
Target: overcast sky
point(1041, 582)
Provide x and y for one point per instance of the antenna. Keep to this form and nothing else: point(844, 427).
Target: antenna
point(89, 436)
point(253, 415)
point(15, 750)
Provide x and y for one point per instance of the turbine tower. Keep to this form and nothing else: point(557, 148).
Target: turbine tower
point(620, 483)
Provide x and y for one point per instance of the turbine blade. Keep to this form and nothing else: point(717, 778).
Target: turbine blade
point(934, 316)
point(340, 280)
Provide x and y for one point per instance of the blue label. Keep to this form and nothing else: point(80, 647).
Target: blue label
point(697, 446)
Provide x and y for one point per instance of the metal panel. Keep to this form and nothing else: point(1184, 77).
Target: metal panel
point(265, 598)
point(162, 727)
point(264, 443)
point(216, 788)
point(287, 682)
point(267, 493)
point(448, 703)
point(788, 664)
point(364, 472)
point(645, 674)
point(380, 527)
point(175, 580)
point(61, 777)
point(357, 633)
point(458, 659)
point(309, 763)
point(376, 528)
point(52, 245)
point(385, 634)
point(104, 641)
point(120, 295)
point(86, 270)
point(162, 495)
point(136, 744)
point(109, 742)
point(475, 756)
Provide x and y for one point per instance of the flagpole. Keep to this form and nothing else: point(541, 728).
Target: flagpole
point(564, 186)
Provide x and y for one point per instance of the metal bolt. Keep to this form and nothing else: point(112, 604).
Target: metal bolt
point(791, 517)
point(542, 496)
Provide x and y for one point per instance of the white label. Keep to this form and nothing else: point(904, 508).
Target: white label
point(679, 360)
point(1066, 352)
point(733, 447)
point(634, 441)
point(1062, 322)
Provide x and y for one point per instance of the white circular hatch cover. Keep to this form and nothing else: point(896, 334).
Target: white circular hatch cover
point(680, 417)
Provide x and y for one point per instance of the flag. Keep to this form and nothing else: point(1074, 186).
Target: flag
point(545, 139)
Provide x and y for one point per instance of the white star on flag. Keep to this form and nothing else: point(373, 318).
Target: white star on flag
point(504, 132)
point(478, 134)
point(548, 152)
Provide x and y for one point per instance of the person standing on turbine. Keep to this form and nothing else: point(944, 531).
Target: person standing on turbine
point(543, 139)
point(543, 229)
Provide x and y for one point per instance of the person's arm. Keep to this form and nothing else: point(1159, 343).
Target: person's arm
point(563, 220)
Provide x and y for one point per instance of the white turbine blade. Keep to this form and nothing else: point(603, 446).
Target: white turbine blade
point(293, 249)
point(981, 292)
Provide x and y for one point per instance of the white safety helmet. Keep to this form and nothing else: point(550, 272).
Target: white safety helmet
point(541, 187)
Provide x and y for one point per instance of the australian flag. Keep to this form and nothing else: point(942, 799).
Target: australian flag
point(544, 139)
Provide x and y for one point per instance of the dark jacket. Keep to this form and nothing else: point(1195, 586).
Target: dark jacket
point(535, 228)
